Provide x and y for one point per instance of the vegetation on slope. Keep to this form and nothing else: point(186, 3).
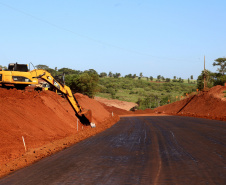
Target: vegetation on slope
point(148, 92)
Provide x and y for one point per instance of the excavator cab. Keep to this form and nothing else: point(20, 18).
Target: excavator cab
point(18, 67)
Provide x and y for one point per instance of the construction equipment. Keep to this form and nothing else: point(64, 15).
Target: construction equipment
point(19, 76)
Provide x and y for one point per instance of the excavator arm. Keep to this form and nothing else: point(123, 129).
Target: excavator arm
point(84, 115)
point(19, 76)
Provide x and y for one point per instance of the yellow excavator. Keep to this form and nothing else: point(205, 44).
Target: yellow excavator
point(18, 76)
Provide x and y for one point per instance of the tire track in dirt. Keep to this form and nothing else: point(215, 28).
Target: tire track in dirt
point(137, 150)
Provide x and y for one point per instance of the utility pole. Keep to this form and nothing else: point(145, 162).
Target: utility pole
point(204, 75)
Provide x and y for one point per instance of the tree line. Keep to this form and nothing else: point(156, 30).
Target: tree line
point(87, 82)
point(213, 78)
point(159, 78)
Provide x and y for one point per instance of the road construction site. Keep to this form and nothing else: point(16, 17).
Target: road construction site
point(138, 150)
point(157, 148)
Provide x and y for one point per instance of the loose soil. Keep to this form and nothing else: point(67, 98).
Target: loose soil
point(116, 103)
point(48, 123)
point(210, 104)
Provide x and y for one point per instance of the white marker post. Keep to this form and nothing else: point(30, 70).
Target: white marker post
point(24, 144)
point(112, 114)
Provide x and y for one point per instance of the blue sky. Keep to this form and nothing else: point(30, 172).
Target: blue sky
point(155, 37)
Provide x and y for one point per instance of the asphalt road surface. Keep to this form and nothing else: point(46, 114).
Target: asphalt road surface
point(138, 150)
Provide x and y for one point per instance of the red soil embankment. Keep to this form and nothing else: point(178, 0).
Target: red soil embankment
point(116, 103)
point(211, 105)
point(46, 121)
point(122, 112)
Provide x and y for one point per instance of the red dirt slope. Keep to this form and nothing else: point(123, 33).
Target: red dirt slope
point(116, 103)
point(211, 105)
point(42, 119)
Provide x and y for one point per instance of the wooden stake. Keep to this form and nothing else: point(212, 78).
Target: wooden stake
point(24, 143)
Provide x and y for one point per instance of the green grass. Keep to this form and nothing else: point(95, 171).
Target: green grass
point(132, 90)
point(225, 93)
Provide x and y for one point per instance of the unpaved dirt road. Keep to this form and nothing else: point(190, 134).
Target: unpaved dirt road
point(138, 150)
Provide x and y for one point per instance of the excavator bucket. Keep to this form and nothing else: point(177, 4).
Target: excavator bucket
point(86, 116)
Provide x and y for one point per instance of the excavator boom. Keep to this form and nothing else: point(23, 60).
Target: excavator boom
point(84, 114)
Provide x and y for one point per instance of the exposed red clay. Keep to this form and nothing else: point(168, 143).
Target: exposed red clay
point(210, 105)
point(48, 123)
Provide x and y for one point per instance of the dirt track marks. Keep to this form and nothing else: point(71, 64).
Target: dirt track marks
point(138, 150)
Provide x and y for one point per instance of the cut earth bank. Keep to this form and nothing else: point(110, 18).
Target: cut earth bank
point(48, 124)
point(210, 104)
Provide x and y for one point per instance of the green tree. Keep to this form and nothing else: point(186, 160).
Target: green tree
point(181, 80)
point(85, 83)
point(191, 77)
point(103, 74)
point(159, 77)
point(112, 92)
point(110, 74)
point(134, 76)
point(88, 83)
point(222, 63)
point(210, 78)
point(45, 67)
point(41, 66)
point(68, 71)
point(129, 76)
point(167, 79)
point(151, 78)
point(116, 75)
point(141, 75)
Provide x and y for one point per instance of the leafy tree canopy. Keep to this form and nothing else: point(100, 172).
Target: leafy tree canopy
point(221, 62)
point(41, 66)
point(68, 71)
point(85, 82)
point(103, 74)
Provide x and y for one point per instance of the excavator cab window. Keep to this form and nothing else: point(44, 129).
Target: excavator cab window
point(18, 67)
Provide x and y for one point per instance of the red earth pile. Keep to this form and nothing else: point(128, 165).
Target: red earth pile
point(122, 112)
point(46, 121)
point(211, 105)
point(116, 103)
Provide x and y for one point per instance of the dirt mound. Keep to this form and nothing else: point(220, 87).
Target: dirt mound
point(218, 92)
point(211, 104)
point(42, 118)
point(99, 113)
point(116, 103)
point(116, 110)
point(123, 113)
